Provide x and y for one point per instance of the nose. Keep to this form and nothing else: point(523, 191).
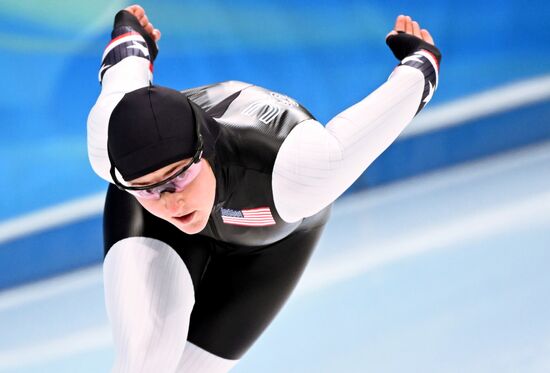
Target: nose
point(173, 201)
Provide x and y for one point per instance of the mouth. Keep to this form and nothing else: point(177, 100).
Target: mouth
point(185, 219)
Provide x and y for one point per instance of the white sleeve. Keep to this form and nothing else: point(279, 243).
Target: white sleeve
point(316, 164)
point(127, 73)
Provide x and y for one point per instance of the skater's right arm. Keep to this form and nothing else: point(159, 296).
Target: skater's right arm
point(126, 65)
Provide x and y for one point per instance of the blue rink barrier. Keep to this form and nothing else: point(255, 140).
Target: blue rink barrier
point(51, 252)
point(469, 141)
point(79, 244)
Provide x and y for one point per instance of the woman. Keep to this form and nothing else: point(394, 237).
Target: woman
point(221, 195)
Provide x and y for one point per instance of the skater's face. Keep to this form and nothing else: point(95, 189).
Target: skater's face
point(188, 209)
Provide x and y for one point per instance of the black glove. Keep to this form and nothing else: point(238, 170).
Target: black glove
point(125, 18)
point(403, 45)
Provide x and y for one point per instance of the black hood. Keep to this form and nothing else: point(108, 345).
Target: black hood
point(153, 127)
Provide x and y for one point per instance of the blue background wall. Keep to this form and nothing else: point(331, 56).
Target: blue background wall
point(326, 54)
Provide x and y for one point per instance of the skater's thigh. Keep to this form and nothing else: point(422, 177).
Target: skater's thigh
point(240, 294)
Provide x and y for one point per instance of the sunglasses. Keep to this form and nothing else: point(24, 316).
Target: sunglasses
point(173, 184)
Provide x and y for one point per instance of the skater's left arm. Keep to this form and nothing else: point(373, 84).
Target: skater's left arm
point(316, 164)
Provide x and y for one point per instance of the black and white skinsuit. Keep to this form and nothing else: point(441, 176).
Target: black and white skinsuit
point(196, 303)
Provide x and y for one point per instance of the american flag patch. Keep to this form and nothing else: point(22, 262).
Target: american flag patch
point(258, 217)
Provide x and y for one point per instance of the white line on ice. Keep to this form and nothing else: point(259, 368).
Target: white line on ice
point(52, 217)
point(82, 341)
point(44, 289)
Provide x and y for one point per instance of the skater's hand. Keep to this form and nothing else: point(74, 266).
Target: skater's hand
point(139, 13)
point(407, 25)
point(407, 38)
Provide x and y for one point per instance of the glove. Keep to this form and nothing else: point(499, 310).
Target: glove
point(125, 18)
point(403, 45)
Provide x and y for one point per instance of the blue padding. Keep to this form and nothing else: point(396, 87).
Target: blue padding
point(52, 252)
point(466, 142)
